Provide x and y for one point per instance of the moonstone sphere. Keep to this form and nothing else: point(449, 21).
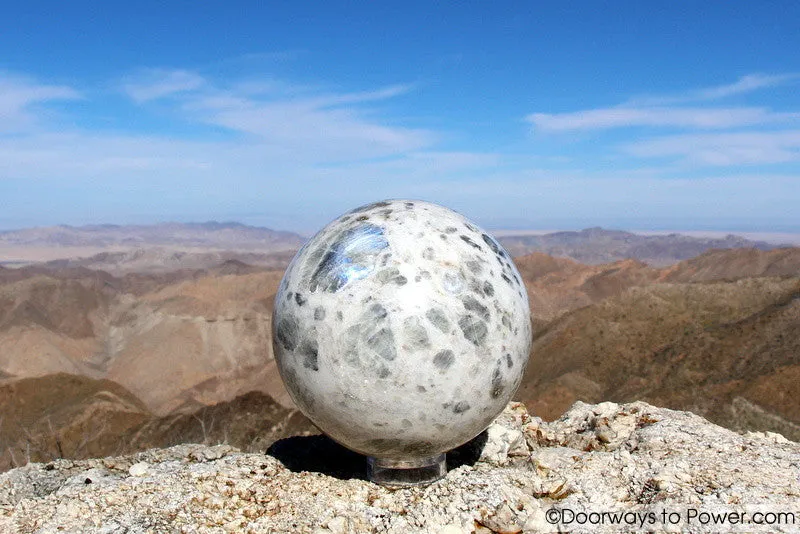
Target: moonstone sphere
point(401, 329)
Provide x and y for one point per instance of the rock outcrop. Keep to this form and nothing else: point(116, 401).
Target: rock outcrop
point(599, 468)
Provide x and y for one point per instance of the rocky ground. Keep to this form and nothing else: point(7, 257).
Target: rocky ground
point(599, 468)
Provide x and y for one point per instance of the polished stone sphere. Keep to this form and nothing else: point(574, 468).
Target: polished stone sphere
point(401, 329)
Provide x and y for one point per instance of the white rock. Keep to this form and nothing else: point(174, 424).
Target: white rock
point(726, 472)
point(139, 469)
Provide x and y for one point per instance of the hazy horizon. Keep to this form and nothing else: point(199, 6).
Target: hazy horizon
point(773, 237)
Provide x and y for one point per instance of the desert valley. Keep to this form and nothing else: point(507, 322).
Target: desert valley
point(162, 335)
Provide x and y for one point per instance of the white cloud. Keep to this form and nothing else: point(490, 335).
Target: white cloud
point(18, 96)
point(741, 135)
point(738, 148)
point(154, 84)
point(290, 121)
point(669, 111)
point(365, 96)
point(745, 84)
point(319, 128)
point(620, 117)
point(278, 130)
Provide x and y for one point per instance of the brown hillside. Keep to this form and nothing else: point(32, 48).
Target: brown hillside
point(717, 265)
point(63, 306)
point(179, 341)
point(622, 331)
point(558, 285)
point(65, 416)
point(68, 416)
point(251, 422)
point(197, 342)
point(716, 349)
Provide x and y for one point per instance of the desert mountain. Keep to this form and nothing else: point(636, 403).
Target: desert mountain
point(162, 248)
point(725, 265)
point(558, 285)
point(186, 340)
point(163, 260)
point(226, 235)
point(717, 334)
point(159, 248)
point(598, 245)
point(729, 351)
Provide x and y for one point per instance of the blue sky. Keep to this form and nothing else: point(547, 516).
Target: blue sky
point(683, 115)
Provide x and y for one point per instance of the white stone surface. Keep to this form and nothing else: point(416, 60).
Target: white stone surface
point(402, 329)
point(663, 461)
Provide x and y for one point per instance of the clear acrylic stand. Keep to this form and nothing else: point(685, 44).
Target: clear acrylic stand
point(404, 473)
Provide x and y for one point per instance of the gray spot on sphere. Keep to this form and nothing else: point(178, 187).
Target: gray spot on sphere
point(287, 331)
point(461, 407)
point(488, 289)
point(492, 243)
point(302, 396)
point(470, 242)
point(473, 328)
point(382, 342)
point(471, 304)
point(387, 275)
point(376, 312)
point(438, 319)
point(415, 334)
point(367, 207)
point(319, 313)
point(444, 359)
point(497, 384)
point(309, 350)
point(474, 266)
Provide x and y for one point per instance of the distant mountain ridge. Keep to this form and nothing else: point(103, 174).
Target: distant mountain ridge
point(165, 260)
point(168, 246)
point(598, 245)
point(212, 234)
